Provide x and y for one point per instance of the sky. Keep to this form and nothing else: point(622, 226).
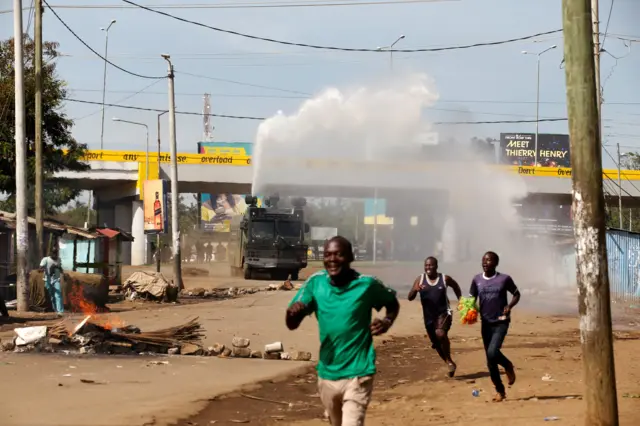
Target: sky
point(256, 78)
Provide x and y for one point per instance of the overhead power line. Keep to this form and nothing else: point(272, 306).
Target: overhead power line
point(606, 28)
point(93, 50)
point(243, 84)
point(250, 5)
point(131, 95)
point(500, 121)
point(344, 49)
point(239, 117)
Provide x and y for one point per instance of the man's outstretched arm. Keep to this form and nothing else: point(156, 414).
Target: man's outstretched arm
point(453, 284)
point(415, 289)
point(295, 314)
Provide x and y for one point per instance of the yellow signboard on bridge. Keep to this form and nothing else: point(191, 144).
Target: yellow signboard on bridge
point(165, 157)
point(233, 159)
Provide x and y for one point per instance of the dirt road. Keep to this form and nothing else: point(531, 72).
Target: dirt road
point(46, 390)
point(412, 390)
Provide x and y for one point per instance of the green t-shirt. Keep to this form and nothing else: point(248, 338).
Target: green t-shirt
point(344, 318)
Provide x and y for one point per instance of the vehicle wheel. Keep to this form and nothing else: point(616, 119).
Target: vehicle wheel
point(295, 275)
point(248, 274)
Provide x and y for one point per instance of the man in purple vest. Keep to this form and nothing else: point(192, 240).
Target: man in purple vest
point(491, 288)
point(436, 311)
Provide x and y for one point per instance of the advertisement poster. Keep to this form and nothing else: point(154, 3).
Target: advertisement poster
point(155, 206)
point(217, 210)
point(379, 208)
point(518, 149)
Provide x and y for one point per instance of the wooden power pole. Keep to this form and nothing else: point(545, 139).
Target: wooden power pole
point(38, 131)
point(589, 216)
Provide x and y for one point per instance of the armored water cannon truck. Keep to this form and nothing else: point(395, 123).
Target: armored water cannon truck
point(269, 239)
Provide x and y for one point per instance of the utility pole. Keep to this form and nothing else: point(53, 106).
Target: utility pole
point(38, 135)
point(594, 301)
point(158, 249)
point(22, 224)
point(595, 22)
point(619, 188)
point(175, 196)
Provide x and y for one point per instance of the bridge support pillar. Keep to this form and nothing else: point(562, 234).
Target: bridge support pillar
point(123, 220)
point(139, 245)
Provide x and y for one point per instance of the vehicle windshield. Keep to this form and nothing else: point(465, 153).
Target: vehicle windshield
point(289, 229)
point(263, 229)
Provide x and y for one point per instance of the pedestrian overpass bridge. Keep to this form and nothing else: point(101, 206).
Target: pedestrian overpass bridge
point(117, 174)
point(116, 177)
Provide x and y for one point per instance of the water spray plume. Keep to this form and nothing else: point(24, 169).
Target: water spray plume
point(465, 205)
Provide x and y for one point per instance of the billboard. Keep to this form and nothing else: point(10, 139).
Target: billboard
point(216, 210)
point(155, 206)
point(323, 233)
point(518, 149)
point(373, 208)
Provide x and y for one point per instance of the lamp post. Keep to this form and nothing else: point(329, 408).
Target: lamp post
point(104, 78)
point(390, 48)
point(158, 250)
point(375, 191)
point(173, 148)
point(147, 145)
point(620, 157)
point(135, 123)
point(524, 52)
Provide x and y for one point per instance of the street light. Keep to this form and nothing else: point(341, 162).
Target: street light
point(104, 78)
point(524, 52)
point(375, 191)
point(135, 123)
point(390, 48)
point(147, 146)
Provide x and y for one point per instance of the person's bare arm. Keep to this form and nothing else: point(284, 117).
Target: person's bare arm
point(415, 289)
point(513, 289)
point(295, 314)
point(381, 326)
point(453, 284)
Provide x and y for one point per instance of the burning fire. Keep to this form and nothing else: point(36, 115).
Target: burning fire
point(80, 304)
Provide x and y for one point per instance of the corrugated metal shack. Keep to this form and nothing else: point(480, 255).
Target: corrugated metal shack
point(623, 255)
point(623, 260)
point(101, 254)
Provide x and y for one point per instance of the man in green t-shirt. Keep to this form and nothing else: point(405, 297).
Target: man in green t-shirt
point(342, 301)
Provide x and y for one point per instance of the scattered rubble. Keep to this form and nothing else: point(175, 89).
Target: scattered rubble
point(230, 292)
point(103, 335)
point(150, 286)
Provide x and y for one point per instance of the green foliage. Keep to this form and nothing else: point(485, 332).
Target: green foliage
point(60, 150)
point(631, 161)
point(76, 215)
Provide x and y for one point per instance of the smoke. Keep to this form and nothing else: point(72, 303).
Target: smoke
point(352, 142)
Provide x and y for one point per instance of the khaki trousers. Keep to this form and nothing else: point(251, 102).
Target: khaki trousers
point(345, 401)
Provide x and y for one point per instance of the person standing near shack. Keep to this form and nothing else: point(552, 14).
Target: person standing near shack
point(52, 270)
point(342, 301)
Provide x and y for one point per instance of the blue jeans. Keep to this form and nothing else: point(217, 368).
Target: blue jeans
point(54, 288)
point(493, 335)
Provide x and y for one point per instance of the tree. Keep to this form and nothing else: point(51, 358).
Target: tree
point(631, 161)
point(76, 215)
point(60, 150)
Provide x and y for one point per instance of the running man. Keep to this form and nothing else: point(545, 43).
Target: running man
point(490, 288)
point(342, 300)
point(436, 311)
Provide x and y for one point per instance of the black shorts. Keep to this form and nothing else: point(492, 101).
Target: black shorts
point(441, 322)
